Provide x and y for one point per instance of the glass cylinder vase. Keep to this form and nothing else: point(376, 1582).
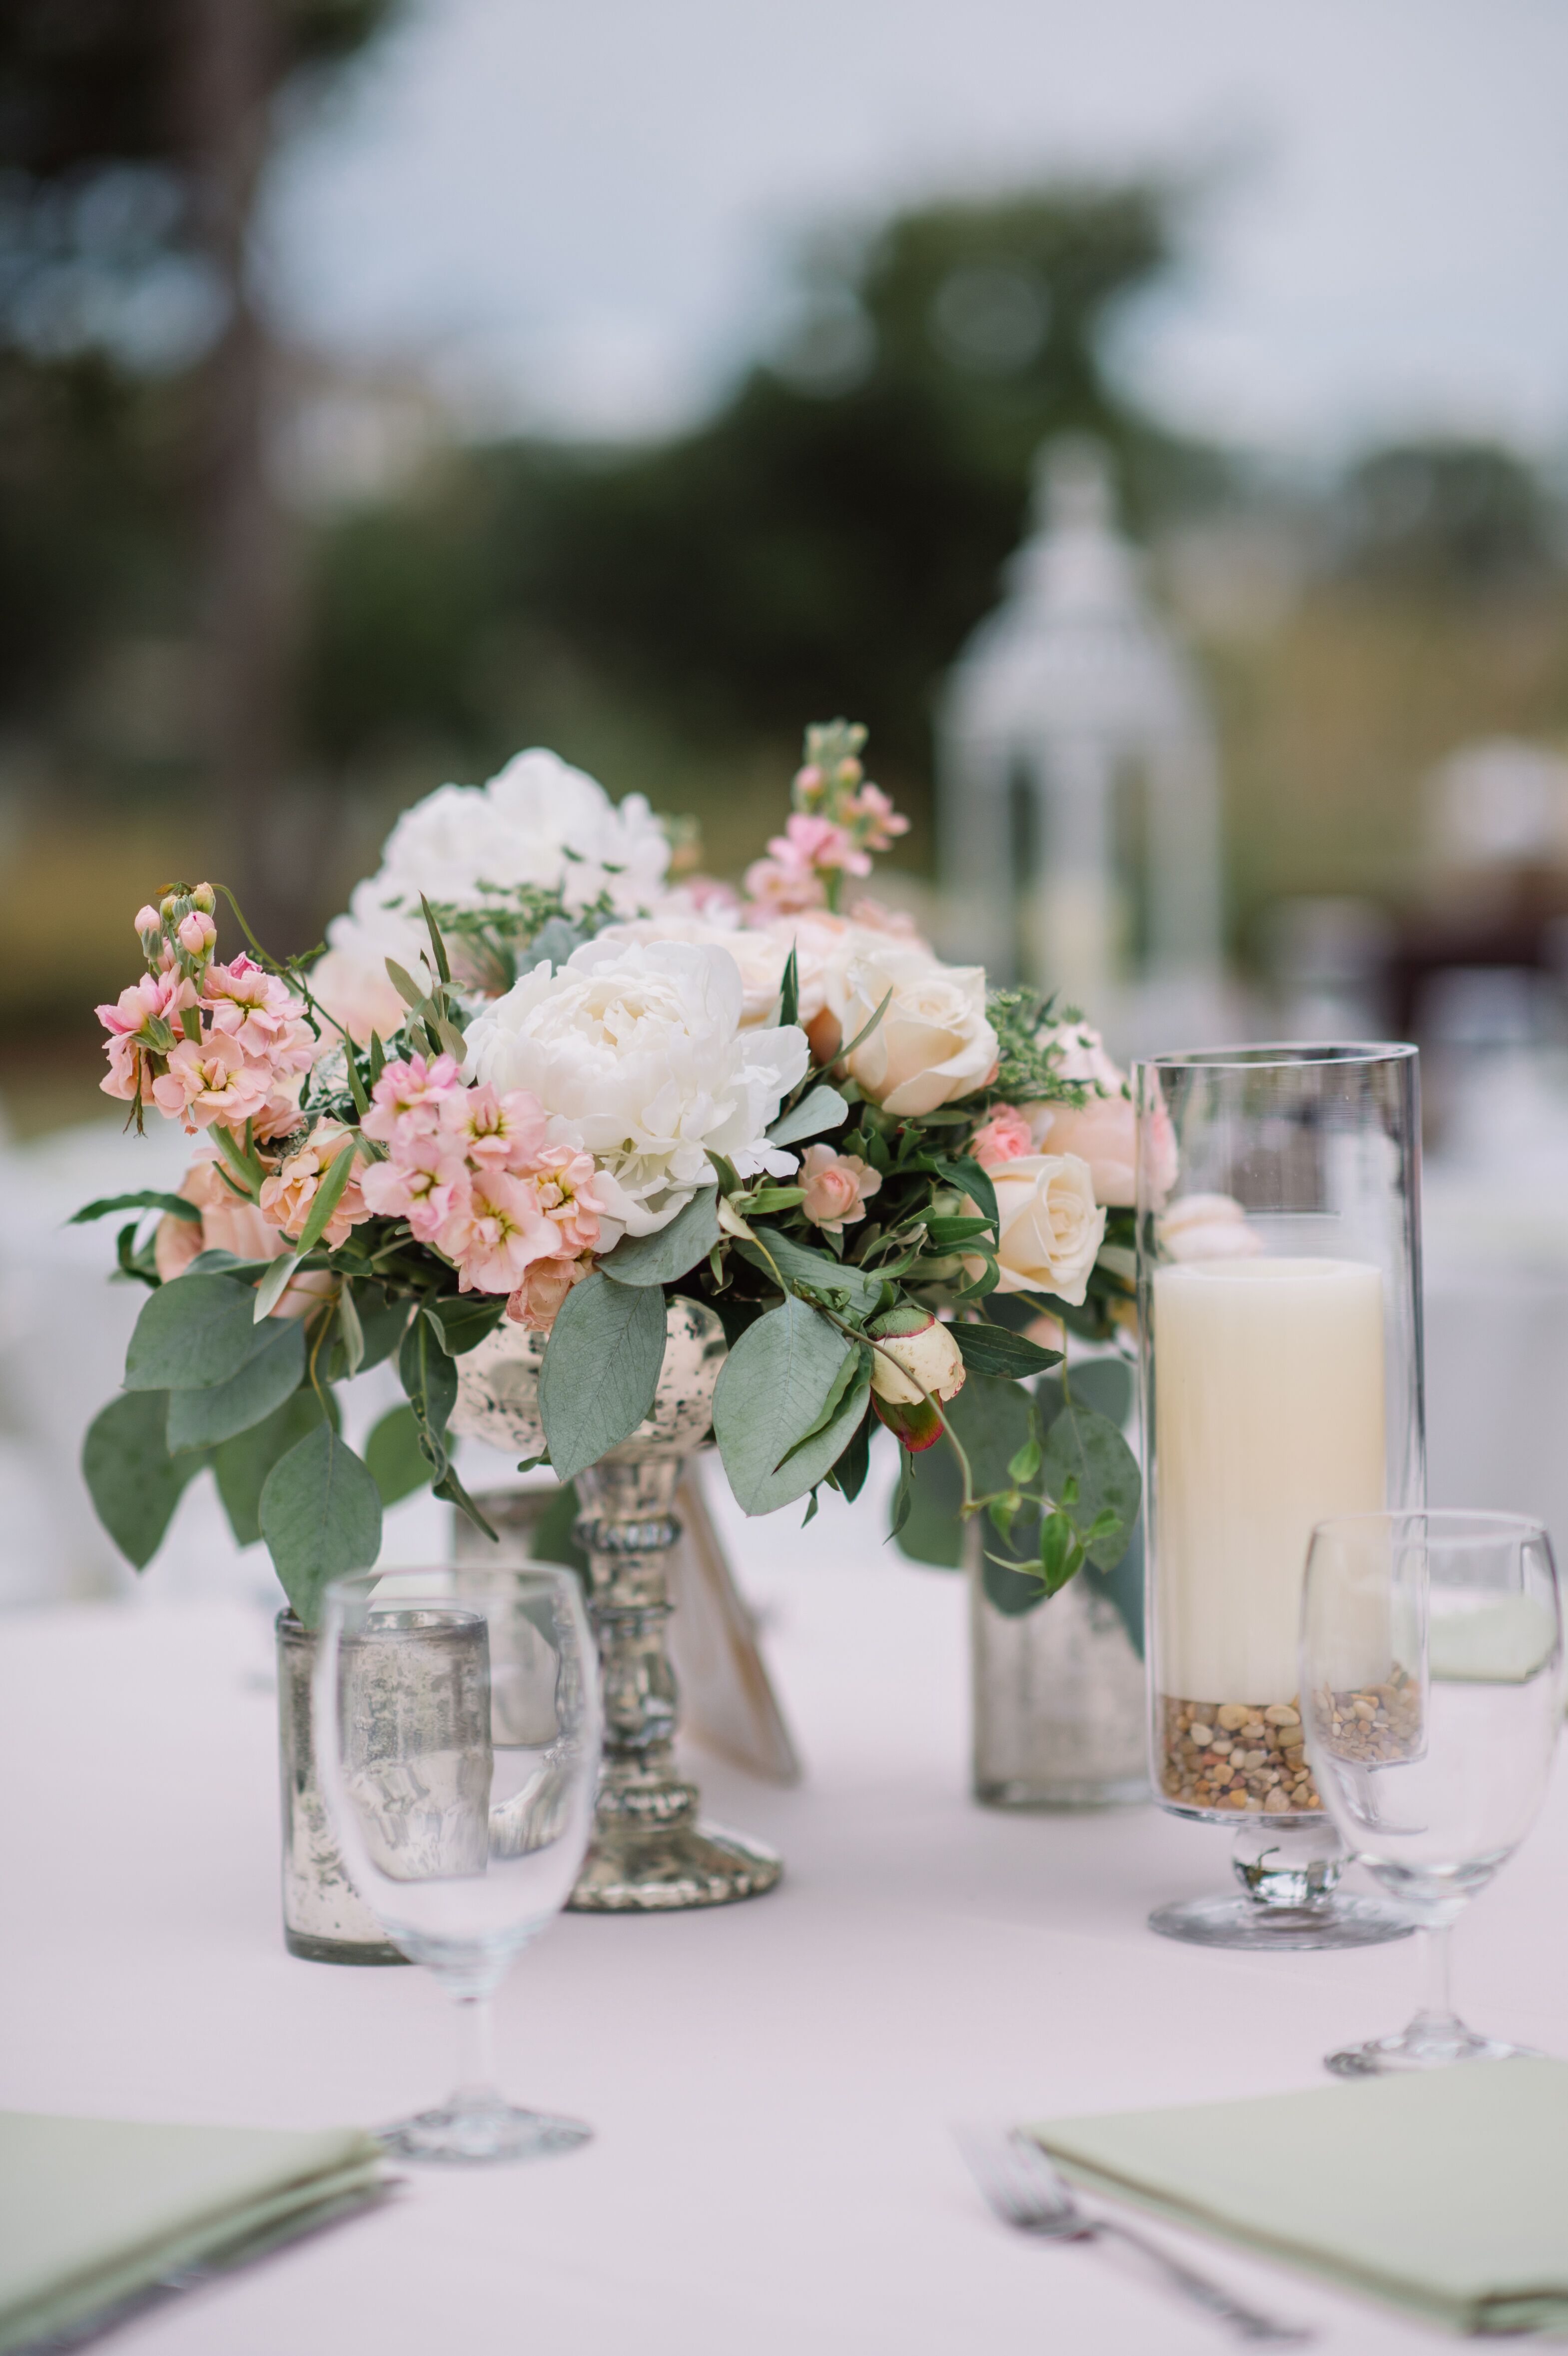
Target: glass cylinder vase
point(1279, 1287)
point(1058, 1690)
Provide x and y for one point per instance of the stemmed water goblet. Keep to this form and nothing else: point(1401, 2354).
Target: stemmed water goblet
point(456, 1719)
point(1431, 1692)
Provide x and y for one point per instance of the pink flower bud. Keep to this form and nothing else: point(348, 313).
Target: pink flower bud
point(148, 921)
point(195, 933)
point(204, 898)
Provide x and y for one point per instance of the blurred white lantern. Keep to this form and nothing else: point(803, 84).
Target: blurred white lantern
point(1078, 799)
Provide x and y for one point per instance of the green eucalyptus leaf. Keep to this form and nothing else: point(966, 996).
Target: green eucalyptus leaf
point(429, 1380)
point(269, 1376)
point(801, 1265)
point(273, 1286)
point(1010, 1591)
point(148, 1199)
point(462, 1319)
point(820, 1109)
point(993, 1419)
point(933, 1529)
point(326, 1199)
point(992, 1350)
point(397, 1463)
point(671, 1252)
point(134, 1481)
point(191, 1334)
point(1088, 1450)
point(321, 1516)
point(601, 1370)
point(242, 1463)
point(775, 1383)
point(848, 1474)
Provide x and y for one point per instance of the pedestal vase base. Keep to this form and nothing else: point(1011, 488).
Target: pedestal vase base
point(1339, 1922)
point(479, 2137)
point(688, 1864)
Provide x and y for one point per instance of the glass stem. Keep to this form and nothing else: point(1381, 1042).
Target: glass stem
point(476, 2089)
point(1437, 2004)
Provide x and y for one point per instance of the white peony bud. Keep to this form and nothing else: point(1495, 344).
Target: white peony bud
point(926, 1360)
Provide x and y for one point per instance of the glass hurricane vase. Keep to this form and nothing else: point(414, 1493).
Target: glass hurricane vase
point(1279, 1284)
point(651, 1853)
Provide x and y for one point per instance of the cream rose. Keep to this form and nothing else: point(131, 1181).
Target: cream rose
point(933, 1043)
point(1207, 1226)
point(1103, 1133)
point(1051, 1227)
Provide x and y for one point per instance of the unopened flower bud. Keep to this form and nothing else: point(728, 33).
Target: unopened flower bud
point(195, 933)
point(170, 908)
point(916, 1356)
point(850, 771)
point(204, 898)
point(148, 921)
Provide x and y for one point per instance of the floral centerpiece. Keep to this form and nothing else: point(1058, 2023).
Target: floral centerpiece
point(535, 1076)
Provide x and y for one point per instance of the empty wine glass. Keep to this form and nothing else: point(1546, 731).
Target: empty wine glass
point(1431, 1689)
point(457, 1725)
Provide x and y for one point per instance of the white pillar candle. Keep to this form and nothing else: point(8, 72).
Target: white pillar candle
point(1268, 1418)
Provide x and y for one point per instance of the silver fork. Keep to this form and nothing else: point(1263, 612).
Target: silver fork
point(1025, 2192)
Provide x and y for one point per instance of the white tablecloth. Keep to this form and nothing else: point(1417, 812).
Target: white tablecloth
point(770, 2086)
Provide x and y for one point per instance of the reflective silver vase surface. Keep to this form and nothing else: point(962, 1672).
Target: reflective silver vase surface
point(650, 1853)
point(1059, 1701)
point(324, 1919)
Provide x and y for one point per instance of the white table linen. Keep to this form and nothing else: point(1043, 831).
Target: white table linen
point(770, 2084)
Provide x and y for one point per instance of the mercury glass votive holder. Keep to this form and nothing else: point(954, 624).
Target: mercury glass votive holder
point(1279, 1287)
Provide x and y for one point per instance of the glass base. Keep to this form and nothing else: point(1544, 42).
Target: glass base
point(1064, 1798)
point(312, 1950)
point(480, 2137)
point(642, 1868)
point(1432, 2042)
point(1340, 1920)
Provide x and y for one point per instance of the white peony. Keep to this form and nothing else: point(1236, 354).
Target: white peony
point(538, 821)
point(639, 1046)
point(759, 959)
point(934, 1043)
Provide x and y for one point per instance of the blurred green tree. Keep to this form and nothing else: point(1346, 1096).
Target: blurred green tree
point(824, 543)
point(136, 359)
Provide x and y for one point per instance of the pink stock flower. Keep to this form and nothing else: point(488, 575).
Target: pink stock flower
point(1005, 1137)
point(496, 1234)
point(408, 1098)
point(778, 891)
point(563, 1182)
point(426, 1183)
point(163, 996)
point(880, 825)
point(148, 921)
point(287, 1195)
point(210, 1080)
point(503, 1132)
point(545, 1285)
point(838, 1187)
point(878, 918)
point(817, 842)
point(195, 933)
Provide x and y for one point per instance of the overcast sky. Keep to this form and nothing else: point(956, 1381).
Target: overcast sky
point(584, 210)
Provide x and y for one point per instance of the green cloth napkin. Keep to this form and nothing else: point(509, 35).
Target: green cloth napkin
point(1445, 2192)
point(94, 2211)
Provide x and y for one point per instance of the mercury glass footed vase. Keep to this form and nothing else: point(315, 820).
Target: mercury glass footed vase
point(650, 1852)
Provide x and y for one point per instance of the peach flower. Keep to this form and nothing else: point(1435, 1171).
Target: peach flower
point(409, 1098)
point(838, 1187)
point(427, 1184)
point(1103, 1133)
point(228, 1223)
point(498, 1233)
point(545, 1285)
point(288, 1193)
point(211, 1080)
